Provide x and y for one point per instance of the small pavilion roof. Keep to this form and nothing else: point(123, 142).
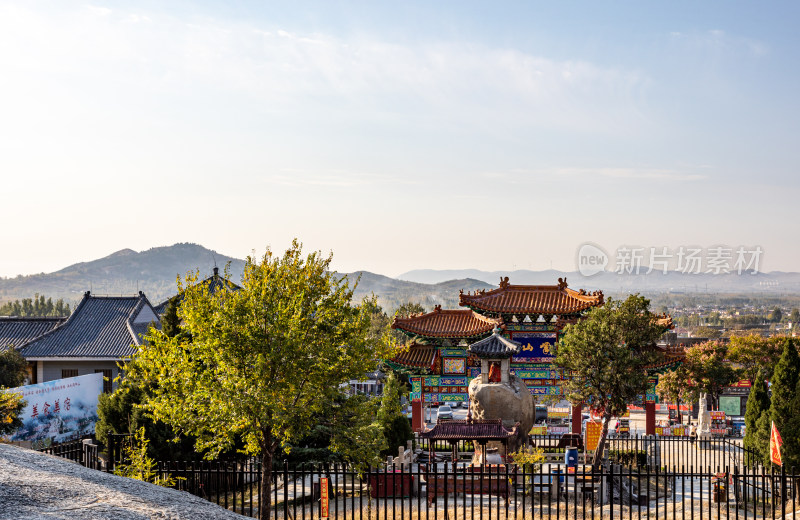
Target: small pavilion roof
point(417, 356)
point(531, 299)
point(457, 323)
point(495, 346)
point(479, 430)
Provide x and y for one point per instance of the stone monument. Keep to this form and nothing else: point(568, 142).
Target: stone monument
point(499, 394)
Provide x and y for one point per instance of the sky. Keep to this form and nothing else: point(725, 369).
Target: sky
point(399, 135)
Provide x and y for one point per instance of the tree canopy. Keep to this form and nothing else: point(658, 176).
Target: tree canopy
point(784, 407)
point(607, 353)
point(13, 368)
point(757, 406)
point(37, 307)
point(264, 361)
point(674, 387)
point(754, 353)
point(708, 368)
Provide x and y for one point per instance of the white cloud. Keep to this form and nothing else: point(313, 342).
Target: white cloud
point(282, 70)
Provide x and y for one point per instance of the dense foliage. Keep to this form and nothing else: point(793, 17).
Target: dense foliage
point(37, 307)
point(708, 369)
point(264, 361)
point(674, 387)
point(784, 407)
point(395, 425)
point(754, 353)
point(607, 353)
point(13, 368)
point(757, 406)
point(11, 405)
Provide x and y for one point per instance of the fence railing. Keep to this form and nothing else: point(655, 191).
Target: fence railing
point(632, 487)
point(81, 450)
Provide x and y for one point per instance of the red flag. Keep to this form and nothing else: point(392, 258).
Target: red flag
point(775, 443)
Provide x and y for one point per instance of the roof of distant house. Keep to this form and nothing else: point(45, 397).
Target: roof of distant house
point(99, 327)
point(16, 332)
point(215, 282)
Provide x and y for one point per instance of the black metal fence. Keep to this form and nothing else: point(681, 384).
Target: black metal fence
point(636, 482)
point(81, 450)
point(454, 491)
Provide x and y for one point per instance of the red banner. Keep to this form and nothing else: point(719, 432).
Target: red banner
point(324, 503)
point(775, 443)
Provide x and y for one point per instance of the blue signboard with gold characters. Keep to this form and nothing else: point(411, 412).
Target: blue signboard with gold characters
point(536, 347)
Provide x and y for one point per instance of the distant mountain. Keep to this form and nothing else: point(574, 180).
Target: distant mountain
point(776, 282)
point(124, 272)
point(392, 293)
point(154, 272)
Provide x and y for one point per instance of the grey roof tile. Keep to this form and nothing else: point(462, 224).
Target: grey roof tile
point(495, 346)
point(100, 326)
point(16, 332)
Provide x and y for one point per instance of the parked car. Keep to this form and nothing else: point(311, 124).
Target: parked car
point(445, 412)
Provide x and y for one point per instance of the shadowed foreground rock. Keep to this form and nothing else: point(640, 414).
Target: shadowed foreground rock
point(35, 486)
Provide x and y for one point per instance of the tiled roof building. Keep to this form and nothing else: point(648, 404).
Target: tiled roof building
point(16, 332)
point(462, 324)
point(528, 320)
point(531, 300)
point(101, 332)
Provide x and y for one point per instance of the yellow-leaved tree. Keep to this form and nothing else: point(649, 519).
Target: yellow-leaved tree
point(262, 363)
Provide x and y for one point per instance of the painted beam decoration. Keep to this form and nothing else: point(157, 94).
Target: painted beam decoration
point(58, 410)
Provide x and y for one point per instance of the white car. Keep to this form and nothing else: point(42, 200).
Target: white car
point(445, 412)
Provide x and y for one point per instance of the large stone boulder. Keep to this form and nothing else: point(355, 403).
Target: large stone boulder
point(511, 402)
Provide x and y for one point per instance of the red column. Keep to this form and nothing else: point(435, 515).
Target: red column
point(650, 418)
point(577, 419)
point(416, 415)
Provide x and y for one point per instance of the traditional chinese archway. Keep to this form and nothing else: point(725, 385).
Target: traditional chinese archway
point(533, 315)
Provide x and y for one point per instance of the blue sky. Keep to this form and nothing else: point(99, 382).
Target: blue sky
point(399, 135)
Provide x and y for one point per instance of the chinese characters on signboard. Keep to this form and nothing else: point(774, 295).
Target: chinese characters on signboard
point(60, 409)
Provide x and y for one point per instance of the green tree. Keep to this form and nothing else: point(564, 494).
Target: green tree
point(757, 405)
point(754, 353)
point(141, 466)
point(673, 387)
point(11, 405)
point(783, 403)
point(777, 315)
point(121, 412)
point(607, 353)
point(708, 369)
point(794, 316)
point(404, 311)
point(13, 368)
point(264, 361)
point(170, 322)
point(395, 425)
point(37, 307)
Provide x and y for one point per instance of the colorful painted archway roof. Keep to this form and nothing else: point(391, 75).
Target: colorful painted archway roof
point(457, 323)
point(531, 299)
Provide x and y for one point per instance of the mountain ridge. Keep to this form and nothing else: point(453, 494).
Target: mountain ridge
point(154, 272)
